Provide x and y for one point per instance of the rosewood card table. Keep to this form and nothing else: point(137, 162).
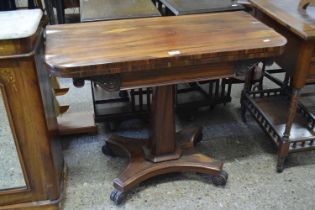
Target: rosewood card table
point(159, 52)
point(289, 130)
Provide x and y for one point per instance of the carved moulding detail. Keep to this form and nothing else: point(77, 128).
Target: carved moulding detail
point(108, 82)
point(8, 77)
point(111, 82)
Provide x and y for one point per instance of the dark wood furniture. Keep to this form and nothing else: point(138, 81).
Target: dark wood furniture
point(185, 7)
point(161, 52)
point(276, 110)
point(25, 86)
point(11, 5)
point(93, 10)
point(68, 123)
point(305, 3)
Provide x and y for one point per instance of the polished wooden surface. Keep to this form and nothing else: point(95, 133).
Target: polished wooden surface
point(92, 10)
point(159, 141)
point(90, 49)
point(24, 80)
point(288, 14)
point(184, 7)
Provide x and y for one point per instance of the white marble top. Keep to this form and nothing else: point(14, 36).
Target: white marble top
point(19, 24)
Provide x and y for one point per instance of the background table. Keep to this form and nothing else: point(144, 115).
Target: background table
point(161, 52)
point(184, 7)
point(291, 132)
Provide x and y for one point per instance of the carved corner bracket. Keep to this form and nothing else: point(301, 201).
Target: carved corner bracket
point(242, 67)
point(111, 82)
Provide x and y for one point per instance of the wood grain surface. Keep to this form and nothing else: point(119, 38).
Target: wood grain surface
point(107, 47)
point(92, 10)
point(287, 13)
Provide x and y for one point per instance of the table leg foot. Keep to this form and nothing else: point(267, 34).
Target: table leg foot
point(117, 196)
point(220, 179)
point(189, 137)
point(140, 169)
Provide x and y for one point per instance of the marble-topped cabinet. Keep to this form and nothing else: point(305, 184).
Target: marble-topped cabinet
point(31, 160)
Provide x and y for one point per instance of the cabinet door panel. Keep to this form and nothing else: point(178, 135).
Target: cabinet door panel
point(11, 172)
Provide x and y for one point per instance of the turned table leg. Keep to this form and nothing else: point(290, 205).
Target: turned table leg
point(284, 145)
point(306, 50)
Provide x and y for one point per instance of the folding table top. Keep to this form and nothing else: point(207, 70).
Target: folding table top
point(147, 44)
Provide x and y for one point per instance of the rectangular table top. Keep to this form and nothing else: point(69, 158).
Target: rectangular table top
point(92, 10)
point(184, 7)
point(287, 13)
point(147, 44)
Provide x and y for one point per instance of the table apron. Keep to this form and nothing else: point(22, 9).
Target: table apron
point(142, 79)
